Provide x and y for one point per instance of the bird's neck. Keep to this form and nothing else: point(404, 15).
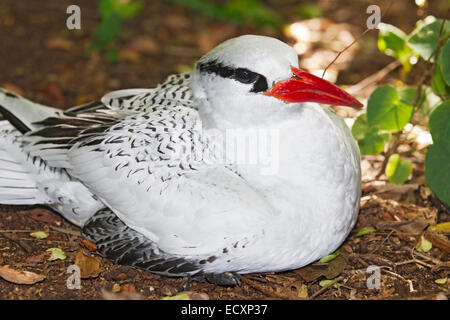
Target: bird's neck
point(310, 158)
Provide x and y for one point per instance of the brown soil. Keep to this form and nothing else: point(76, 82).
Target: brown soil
point(45, 62)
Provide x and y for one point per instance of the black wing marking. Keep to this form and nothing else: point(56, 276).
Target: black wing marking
point(123, 245)
point(16, 122)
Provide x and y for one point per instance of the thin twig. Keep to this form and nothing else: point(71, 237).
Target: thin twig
point(262, 289)
point(319, 292)
point(425, 256)
point(396, 141)
point(411, 287)
point(354, 41)
point(24, 246)
point(413, 261)
point(67, 231)
point(14, 231)
point(384, 240)
point(374, 78)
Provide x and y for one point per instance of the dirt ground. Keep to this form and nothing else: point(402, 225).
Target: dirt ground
point(47, 63)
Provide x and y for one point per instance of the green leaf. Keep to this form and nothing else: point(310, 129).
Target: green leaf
point(437, 170)
point(308, 10)
point(424, 39)
point(251, 11)
point(444, 62)
point(360, 127)
point(364, 231)
point(398, 170)
point(370, 140)
point(324, 283)
point(392, 41)
point(125, 10)
point(428, 102)
point(441, 281)
point(407, 94)
point(183, 296)
point(386, 110)
point(424, 245)
point(439, 123)
point(438, 83)
point(39, 235)
point(238, 11)
point(373, 142)
point(56, 254)
point(330, 257)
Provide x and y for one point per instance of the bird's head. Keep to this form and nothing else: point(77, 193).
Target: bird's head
point(251, 80)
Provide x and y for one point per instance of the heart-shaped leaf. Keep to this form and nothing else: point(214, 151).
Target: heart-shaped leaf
point(437, 170)
point(439, 123)
point(386, 110)
point(398, 170)
point(392, 41)
point(424, 39)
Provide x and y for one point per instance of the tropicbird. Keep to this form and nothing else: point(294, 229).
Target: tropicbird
point(131, 169)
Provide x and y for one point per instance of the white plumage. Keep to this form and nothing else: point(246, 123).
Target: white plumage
point(140, 153)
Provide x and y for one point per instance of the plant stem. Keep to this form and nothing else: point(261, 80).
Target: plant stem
point(416, 103)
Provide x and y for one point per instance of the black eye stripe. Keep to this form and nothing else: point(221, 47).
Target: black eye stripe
point(240, 74)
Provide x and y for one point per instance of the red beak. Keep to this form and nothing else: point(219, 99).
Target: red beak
point(305, 87)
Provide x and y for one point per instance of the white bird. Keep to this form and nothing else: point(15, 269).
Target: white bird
point(144, 172)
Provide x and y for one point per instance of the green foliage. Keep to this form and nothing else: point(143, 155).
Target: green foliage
point(330, 257)
point(439, 123)
point(437, 170)
point(365, 230)
point(112, 13)
point(392, 41)
point(444, 63)
point(437, 162)
point(438, 83)
point(308, 10)
point(237, 11)
point(386, 110)
point(390, 109)
point(424, 39)
point(370, 139)
point(398, 170)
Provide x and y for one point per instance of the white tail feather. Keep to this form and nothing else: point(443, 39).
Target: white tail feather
point(25, 110)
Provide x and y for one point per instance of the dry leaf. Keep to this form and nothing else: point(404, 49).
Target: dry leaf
point(143, 45)
point(129, 55)
point(330, 270)
point(20, 276)
point(443, 227)
point(108, 295)
point(59, 43)
point(414, 227)
point(303, 291)
point(89, 245)
point(13, 88)
point(89, 266)
point(37, 259)
point(116, 288)
point(197, 295)
point(45, 217)
point(188, 295)
point(53, 92)
point(438, 240)
point(128, 288)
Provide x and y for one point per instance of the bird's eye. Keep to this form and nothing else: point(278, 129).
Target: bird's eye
point(245, 76)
